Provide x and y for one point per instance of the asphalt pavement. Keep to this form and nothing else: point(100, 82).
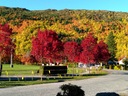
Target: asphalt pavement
point(115, 82)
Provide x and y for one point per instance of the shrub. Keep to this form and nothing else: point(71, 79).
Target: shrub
point(117, 67)
point(70, 90)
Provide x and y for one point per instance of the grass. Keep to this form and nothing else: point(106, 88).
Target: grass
point(5, 84)
point(32, 70)
point(19, 69)
point(23, 70)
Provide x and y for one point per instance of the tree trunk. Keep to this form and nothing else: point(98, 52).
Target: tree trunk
point(0, 66)
point(11, 63)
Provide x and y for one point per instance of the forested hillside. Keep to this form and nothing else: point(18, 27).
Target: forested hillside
point(68, 24)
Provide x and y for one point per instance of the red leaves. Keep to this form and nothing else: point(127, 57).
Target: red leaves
point(5, 40)
point(46, 45)
point(93, 52)
point(89, 52)
point(89, 42)
point(5, 30)
point(72, 51)
point(104, 54)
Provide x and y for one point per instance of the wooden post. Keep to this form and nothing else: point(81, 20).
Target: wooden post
point(0, 66)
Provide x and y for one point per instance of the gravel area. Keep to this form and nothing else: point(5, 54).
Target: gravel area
point(116, 81)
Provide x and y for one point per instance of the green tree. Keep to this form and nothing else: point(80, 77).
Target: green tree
point(111, 45)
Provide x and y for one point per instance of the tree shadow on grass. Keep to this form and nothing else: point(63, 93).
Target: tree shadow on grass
point(107, 94)
point(94, 74)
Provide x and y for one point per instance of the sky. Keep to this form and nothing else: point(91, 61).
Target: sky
point(110, 5)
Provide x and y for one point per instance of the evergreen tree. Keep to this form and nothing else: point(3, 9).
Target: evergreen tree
point(111, 45)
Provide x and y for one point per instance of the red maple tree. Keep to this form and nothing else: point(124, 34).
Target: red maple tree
point(6, 44)
point(103, 54)
point(47, 46)
point(72, 50)
point(88, 44)
point(93, 52)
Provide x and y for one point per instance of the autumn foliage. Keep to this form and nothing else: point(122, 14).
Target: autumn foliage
point(69, 26)
point(89, 52)
point(6, 45)
point(47, 46)
point(72, 50)
point(104, 54)
point(5, 41)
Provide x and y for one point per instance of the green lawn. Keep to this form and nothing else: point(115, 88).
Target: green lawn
point(32, 70)
point(5, 84)
point(27, 70)
point(20, 69)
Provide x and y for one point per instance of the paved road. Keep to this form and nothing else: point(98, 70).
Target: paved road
point(116, 81)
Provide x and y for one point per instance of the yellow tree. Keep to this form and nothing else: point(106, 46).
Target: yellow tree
point(23, 39)
point(122, 44)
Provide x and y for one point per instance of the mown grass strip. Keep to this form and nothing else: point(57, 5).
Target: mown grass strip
point(5, 84)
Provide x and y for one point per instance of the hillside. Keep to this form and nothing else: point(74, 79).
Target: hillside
point(69, 24)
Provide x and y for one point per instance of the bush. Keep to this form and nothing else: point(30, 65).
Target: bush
point(70, 90)
point(117, 67)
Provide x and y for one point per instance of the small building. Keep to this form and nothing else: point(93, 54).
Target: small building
point(121, 61)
